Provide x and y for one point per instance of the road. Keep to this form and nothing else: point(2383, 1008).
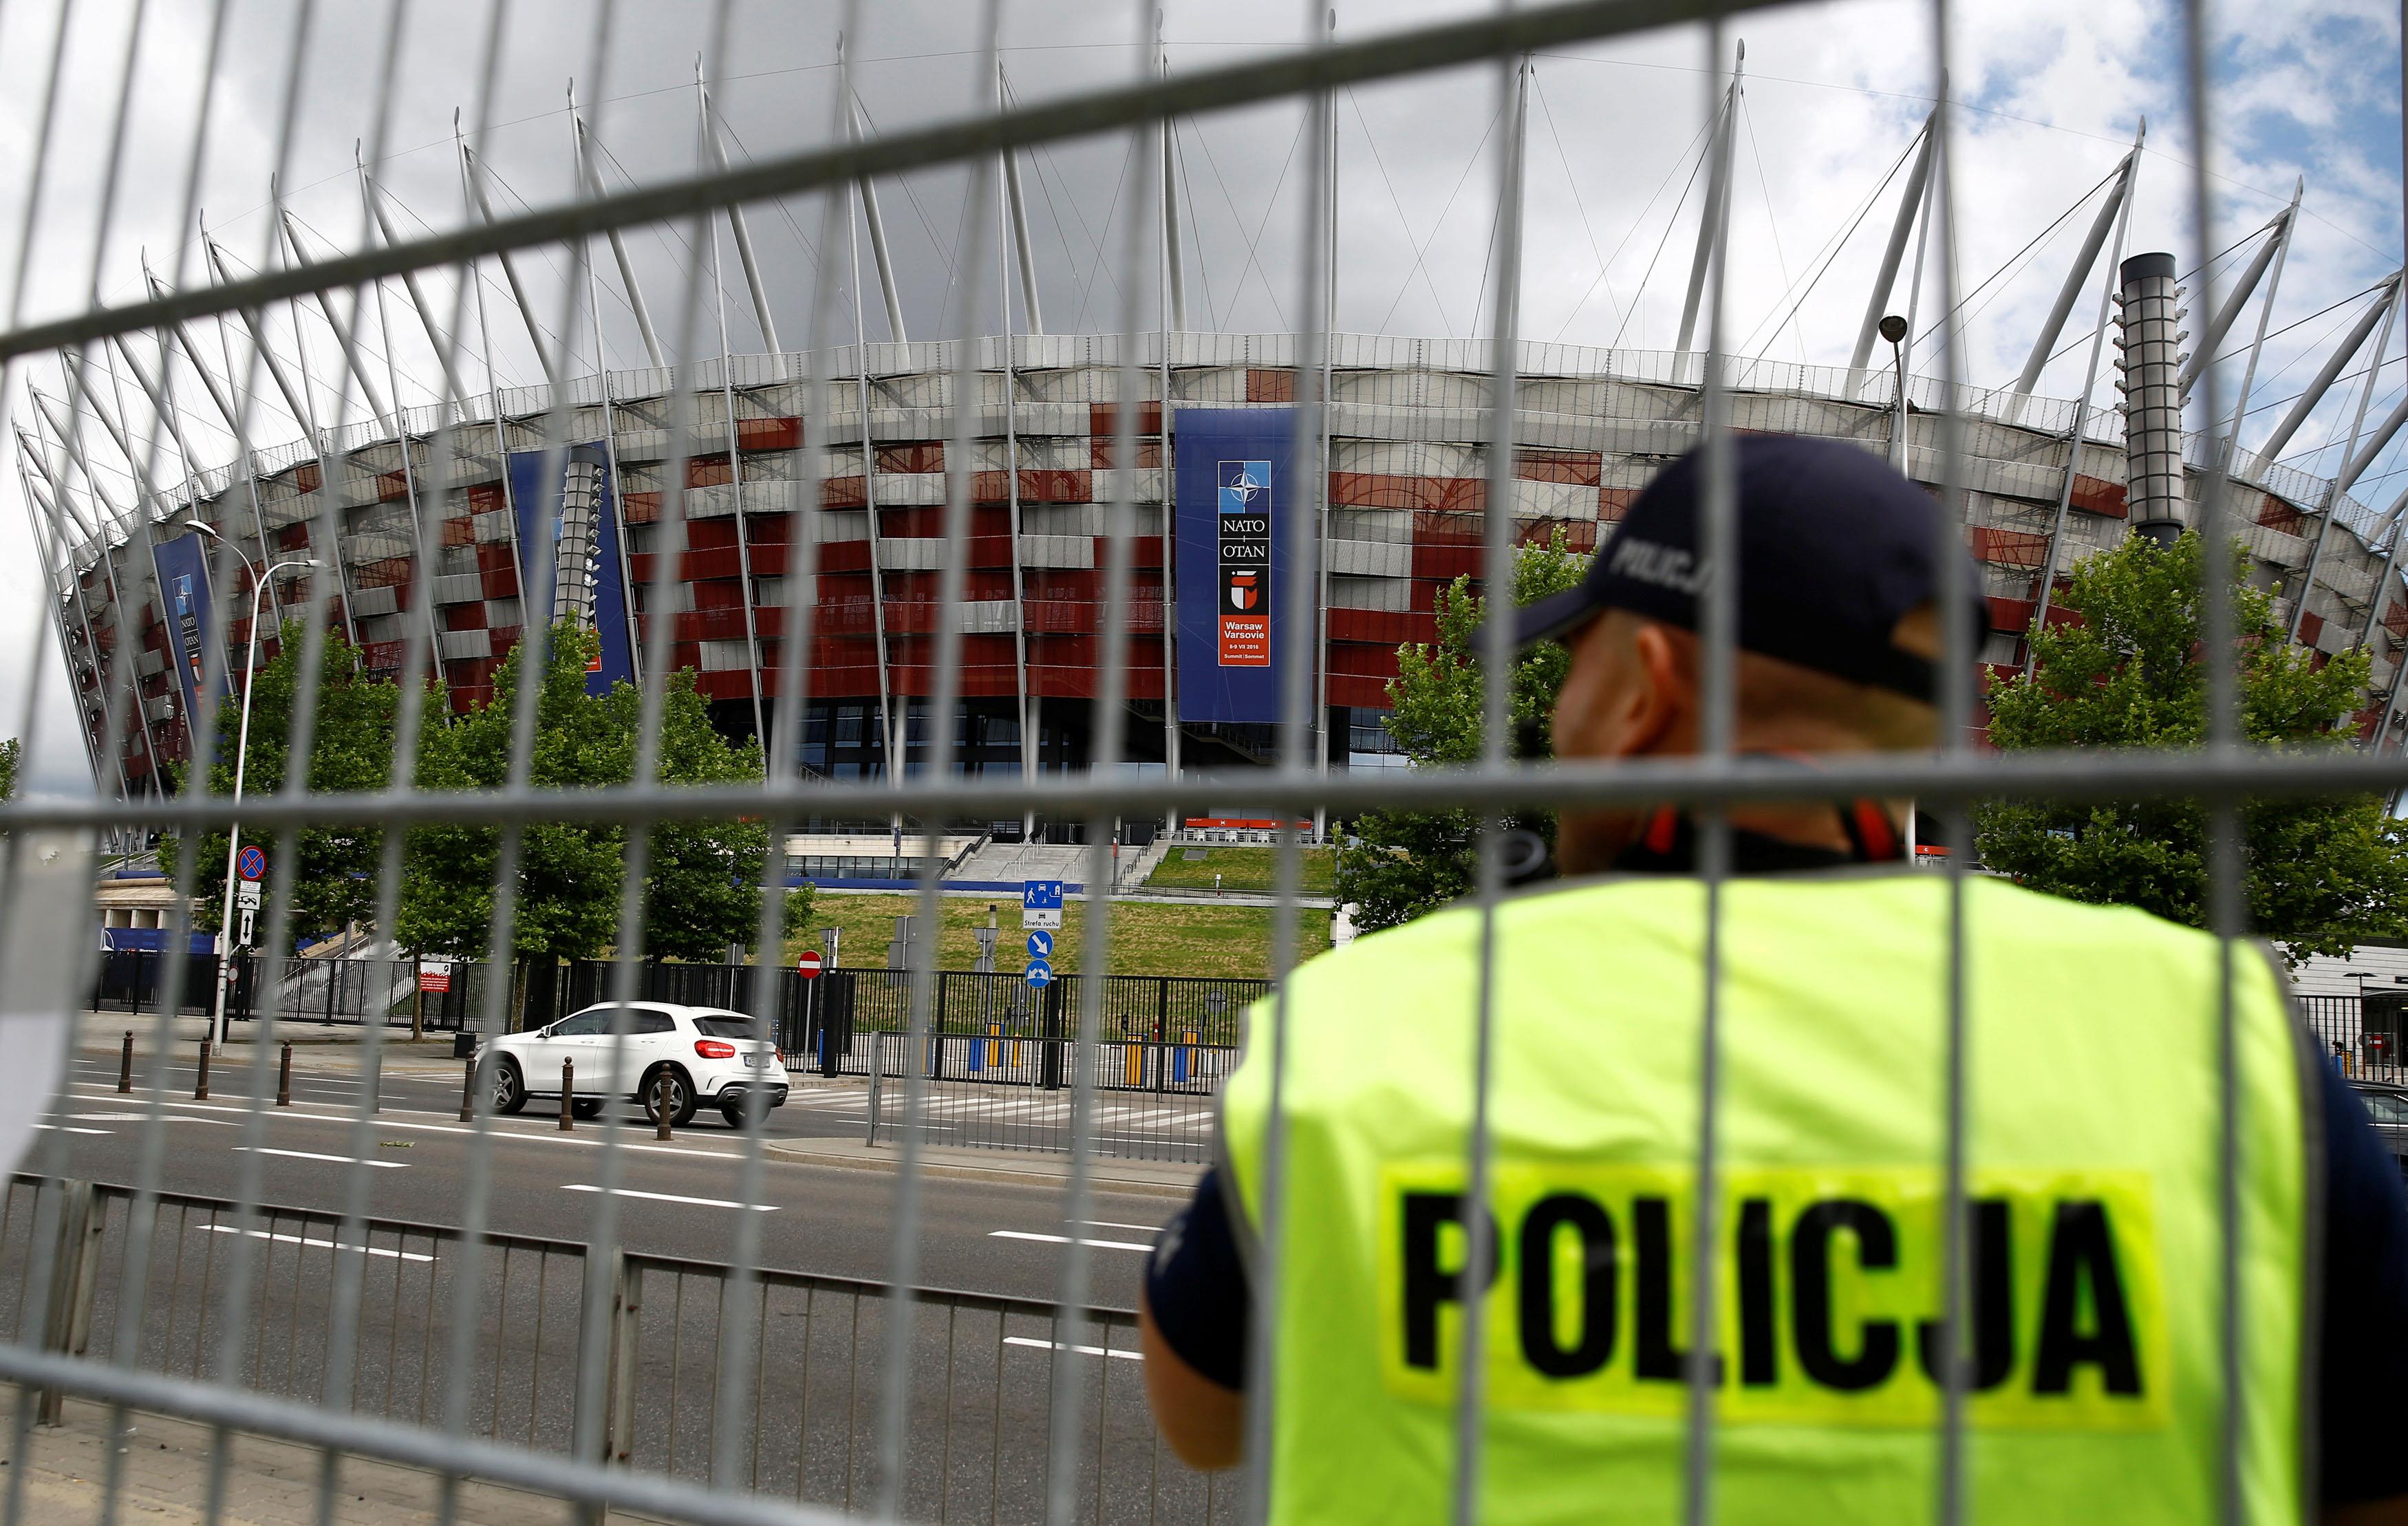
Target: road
point(978, 1235)
point(980, 1374)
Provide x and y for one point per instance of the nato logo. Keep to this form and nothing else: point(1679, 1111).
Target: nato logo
point(1245, 487)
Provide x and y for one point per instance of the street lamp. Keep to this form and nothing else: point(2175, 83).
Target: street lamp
point(1893, 328)
point(241, 748)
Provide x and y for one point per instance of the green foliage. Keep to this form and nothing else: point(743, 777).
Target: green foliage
point(350, 748)
point(8, 754)
point(1405, 863)
point(2322, 876)
point(702, 878)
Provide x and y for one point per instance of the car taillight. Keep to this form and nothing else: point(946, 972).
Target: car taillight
point(714, 1048)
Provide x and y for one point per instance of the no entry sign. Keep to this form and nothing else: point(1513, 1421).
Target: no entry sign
point(808, 965)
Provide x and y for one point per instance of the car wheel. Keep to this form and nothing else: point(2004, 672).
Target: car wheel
point(587, 1107)
point(667, 1092)
point(510, 1088)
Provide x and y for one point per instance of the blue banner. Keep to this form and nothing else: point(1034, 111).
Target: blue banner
point(569, 567)
point(1234, 490)
point(185, 604)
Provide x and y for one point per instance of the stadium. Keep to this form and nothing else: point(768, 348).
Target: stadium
point(1218, 470)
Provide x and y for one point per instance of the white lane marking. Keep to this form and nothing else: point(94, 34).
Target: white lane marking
point(1108, 1224)
point(335, 1159)
point(63, 1129)
point(671, 1197)
point(1063, 1240)
point(322, 1244)
point(1082, 1350)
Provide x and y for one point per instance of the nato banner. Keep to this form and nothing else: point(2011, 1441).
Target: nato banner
point(1234, 487)
point(569, 553)
point(183, 568)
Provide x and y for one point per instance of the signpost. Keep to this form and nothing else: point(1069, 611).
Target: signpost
point(249, 867)
point(1040, 903)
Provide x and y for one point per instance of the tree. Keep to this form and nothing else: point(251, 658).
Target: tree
point(702, 877)
point(2322, 876)
point(9, 750)
point(1405, 863)
point(350, 748)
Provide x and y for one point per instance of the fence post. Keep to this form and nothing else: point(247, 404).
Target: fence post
point(619, 1370)
point(1049, 1058)
point(75, 1279)
point(877, 1082)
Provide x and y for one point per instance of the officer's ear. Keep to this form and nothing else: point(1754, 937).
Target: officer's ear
point(1662, 703)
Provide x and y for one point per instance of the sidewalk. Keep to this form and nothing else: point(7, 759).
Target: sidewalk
point(102, 1033)
point(165, 1464)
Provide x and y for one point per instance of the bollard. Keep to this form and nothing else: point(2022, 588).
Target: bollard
point(661, 1110)
point(468, 1094)
point(568, 1083)
point(125, 1064)
point(284, 1076)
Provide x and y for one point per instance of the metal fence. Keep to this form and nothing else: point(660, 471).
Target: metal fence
point(2359, 1035)
point(222, 1328)
point(137, 1282)
point(1141, 1100)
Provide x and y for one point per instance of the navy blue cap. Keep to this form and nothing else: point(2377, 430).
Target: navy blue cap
point(1835, 548)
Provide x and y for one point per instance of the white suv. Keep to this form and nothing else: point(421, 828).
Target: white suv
point(673, 1059)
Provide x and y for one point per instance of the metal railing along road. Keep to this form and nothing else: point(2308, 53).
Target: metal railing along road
point(401, 1364)
point(672, 1328)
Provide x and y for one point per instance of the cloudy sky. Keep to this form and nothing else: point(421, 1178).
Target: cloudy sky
point(2052, 93)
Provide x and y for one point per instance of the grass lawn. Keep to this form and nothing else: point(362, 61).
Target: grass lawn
point(1147, 940)
point(1240, 869)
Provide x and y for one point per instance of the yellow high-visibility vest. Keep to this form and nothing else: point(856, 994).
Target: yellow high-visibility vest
point(2093, 1191)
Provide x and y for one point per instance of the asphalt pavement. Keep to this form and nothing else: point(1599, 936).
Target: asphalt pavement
point(991, 1221)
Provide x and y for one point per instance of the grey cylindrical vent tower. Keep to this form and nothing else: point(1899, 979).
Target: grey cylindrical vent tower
point(2150, 310)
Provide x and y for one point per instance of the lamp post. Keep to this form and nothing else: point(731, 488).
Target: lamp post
point(1893, 328)
point(241, 748)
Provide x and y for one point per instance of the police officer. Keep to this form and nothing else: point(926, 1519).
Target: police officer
point(2091, 1338)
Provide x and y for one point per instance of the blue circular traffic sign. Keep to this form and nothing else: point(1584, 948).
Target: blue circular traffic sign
point(1039, 976)
point(251, 864)
point(1041, 945)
